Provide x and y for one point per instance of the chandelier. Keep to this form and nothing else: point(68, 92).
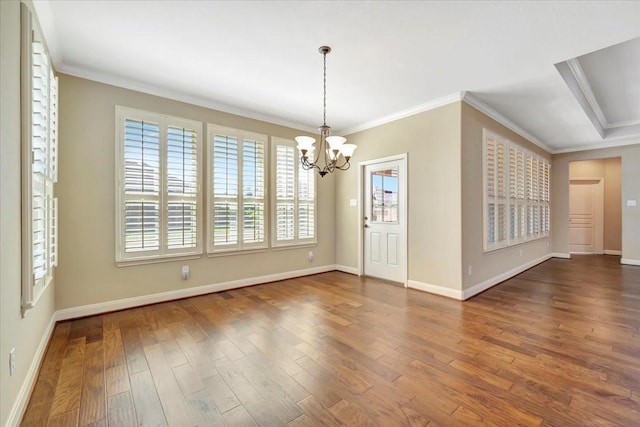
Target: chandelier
point(332, 153)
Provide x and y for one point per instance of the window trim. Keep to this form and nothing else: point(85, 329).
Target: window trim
point(510, 201)
point(296, 242)
point(163, 253)
point(240, 247)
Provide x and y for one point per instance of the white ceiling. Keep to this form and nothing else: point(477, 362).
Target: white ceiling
point(389, 58)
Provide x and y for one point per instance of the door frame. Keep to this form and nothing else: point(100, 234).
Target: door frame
point(598, 223)
point(403, 158)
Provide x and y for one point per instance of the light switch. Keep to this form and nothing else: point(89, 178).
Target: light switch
point(631, 203)
point(353, 202)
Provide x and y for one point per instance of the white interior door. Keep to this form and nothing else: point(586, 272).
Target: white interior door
point(385, 216)
point(585, 217)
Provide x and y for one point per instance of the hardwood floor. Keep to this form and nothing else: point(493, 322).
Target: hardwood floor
point(557, 345)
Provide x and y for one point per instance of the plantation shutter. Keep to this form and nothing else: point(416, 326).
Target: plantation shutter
point(141, 185)
point(285, 192)
point(253, 184)
point(40, 159)
point(516, 194)
point(294, 202)
point(501, 192)
point(496, 176)
point(237, 174)
point(545, 198)
point(490, 190)
point(225, 190)
point(39, 139)
point(306, 203)
point(182, 187)
point(158, 196)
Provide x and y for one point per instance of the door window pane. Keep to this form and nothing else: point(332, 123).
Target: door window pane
point(384, 195)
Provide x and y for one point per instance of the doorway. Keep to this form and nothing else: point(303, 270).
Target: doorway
point(384, 218)
point(606, 197)
point(586, 215)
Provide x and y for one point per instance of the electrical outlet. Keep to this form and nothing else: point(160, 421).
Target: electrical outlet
point(12, 362)
point(470, 270)
point(310, 256)
point(185, 272)
point(520, 251)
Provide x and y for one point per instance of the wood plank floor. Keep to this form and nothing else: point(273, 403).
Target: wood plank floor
point(557, 345)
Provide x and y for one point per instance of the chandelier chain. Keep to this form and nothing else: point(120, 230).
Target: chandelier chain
point(324, 91)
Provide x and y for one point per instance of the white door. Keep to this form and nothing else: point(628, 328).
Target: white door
point(385, 214)
point(585, 206)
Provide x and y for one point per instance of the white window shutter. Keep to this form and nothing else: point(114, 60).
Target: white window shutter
point(516, 193)
point(285, 200)
point(294, 205)
point(141, 185)
point(237, 174)
point(182, 187)
point(306, 202)
point(253, 191)
point(158, 195)
point(225, 190)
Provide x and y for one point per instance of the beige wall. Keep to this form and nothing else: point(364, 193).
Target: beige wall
point(487, 265)
point(23, 334)
point(630, 229)
point(87, 273)
point(432, 143)
point(610, 171)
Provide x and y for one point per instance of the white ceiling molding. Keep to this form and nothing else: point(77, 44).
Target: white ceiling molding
point(623, 124)
point(580, 96)
point(585, 87)
point(599, 145)
point(431, 105)
point(486, 109)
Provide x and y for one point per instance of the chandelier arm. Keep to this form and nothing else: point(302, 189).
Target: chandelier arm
point(346, 165)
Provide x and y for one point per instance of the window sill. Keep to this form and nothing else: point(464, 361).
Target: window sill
point(515, 244)
point(283, 247)
point(157, 259)
point(231, 252)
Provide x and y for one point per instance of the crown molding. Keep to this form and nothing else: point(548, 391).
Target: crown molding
point(489, 111)
point(622, 142)
point(584, 86)
point(178, 96)
point(436, 103)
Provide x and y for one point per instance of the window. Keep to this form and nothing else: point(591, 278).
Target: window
point(158, 186)
point(294, 197)
point(516, 193)
point(236, 190)
point(40, 162)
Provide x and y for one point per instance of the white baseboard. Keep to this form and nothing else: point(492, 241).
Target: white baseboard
point(435, 289)
point(612, 252)
point(630, 261)
point(483, 286)
point(561, 255)
point(346, 269)
point(104, 307)
point(20, 405)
